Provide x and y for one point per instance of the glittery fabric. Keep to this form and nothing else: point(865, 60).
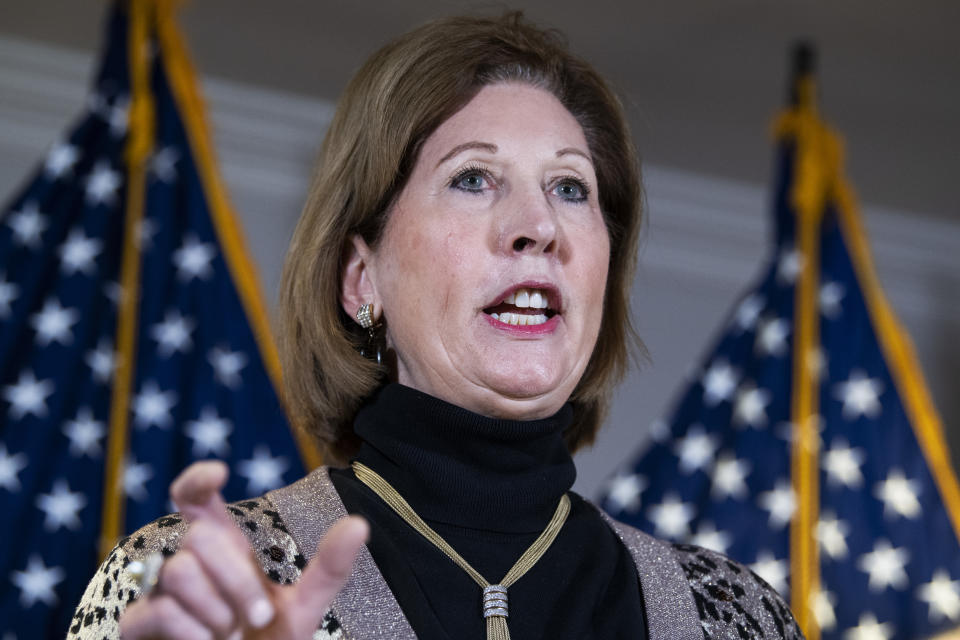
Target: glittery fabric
point(689, 593)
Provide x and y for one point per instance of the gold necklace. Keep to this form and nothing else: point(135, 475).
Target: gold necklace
point(495, 607)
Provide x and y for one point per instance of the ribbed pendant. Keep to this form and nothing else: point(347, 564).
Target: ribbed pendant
point(495, 601)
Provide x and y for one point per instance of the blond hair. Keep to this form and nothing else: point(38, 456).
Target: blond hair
point(391, 106)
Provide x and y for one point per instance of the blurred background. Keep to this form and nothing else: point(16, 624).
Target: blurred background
point(701, 81)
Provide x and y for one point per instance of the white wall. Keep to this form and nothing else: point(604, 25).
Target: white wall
point(704, 243)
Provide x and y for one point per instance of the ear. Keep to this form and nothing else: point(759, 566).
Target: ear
point(356, 284)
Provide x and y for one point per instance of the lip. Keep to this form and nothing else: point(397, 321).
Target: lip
point(554, 299)
point(525, 330)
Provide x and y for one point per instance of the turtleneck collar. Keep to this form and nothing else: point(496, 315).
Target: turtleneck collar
point(459, 468)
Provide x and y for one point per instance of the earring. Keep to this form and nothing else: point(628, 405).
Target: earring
point(376, 344)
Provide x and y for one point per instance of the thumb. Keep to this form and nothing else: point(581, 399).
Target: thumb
point(196, 491)
point(328, 570)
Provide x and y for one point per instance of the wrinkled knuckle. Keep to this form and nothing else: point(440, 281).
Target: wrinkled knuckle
point(177, 572)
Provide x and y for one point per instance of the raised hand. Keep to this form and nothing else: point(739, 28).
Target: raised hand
point(213, 587)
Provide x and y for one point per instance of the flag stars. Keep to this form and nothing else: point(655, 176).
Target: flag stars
point(729, 477)
point(942, 595)
point(832, 535)
point(135, 478)
point(8, 293)
point(624, 492)
point(789, 266)
point(719, 383)
point(151, 407)
point(10, 467)
point(842, 464)
point(885, 566)
point(748, 312)
point(831, 294)
point(53, 322)
point(36, 582)
point(78, 253)
point(860, 396)
point(28, 224)
point(102, 361)
point(28, 395)
point(163, 164)
point(773, 571)
point(173, 334)
point(696, 449)
point(263, 472)
point(771, 337)
point(708, 537)
point(60, 160)
point(869, 628)
point(823, 603)
point(227, 366)
point(61, 507)
point(672, 517)
point(193, 259)
point(750, 406)
point(899, 495)
point(209, 433)
point(780, 502)
point(84, 434)
point(102, 185)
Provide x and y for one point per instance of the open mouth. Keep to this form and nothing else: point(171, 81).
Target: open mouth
point(524, 307)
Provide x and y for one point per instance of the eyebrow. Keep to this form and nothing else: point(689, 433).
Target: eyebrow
point(473, 144)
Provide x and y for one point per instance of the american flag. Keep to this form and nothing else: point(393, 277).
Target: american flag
point(806, 444)
point(204, 374)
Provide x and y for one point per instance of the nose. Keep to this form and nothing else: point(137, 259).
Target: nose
point(529, 225)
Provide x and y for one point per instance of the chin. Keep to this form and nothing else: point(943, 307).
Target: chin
point(526, 398)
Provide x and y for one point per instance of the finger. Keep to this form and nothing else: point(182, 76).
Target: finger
point(229, 563)
point(328, 569)
point(196, 491)
point(161, 616)
point(182, 577)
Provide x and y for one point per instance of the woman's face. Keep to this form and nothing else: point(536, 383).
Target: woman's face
point(492, 268)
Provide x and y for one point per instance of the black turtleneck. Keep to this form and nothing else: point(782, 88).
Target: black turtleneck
point(488, 487)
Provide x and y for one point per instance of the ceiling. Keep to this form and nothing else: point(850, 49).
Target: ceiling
point(701, 78)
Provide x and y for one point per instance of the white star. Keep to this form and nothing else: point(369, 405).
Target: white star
point(37, 581)
point(163, 164)
point(624, 492)
point(113, 292)
point(263, 472)
point(671, 517)
point(789, 266)
point(28, 395)
point(61, 159)
point(53, 323)
point(152, 406)
point(773, 571)
point(227, 366)
point(899, 495)
point(61, 507)
point(695, 449)
point(749, 408)
point(842, 464)
point(869, 629)
point(780, 502)
point(145, 233)
point(771, 337)
point(831, 293)
point(8, 293)
point(749, 311)
point(135, 477)
point(193, 259)
point(832, 534)
point(943, 596)
point(173, 334)
point(860, 396)
point(719, 383)
point(84, 434)
point(28, 224)
point(209, 433)
point(102, 361)
point(118, 116)
point(10, 467)
point(102, 184)
point(885, 565)
point(823, 603)
point(78, 252)
point(659, 430)
point(708, 537)
point(729, 477)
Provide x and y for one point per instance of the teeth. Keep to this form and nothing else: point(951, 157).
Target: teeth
point(519, 319)
point(527, 299)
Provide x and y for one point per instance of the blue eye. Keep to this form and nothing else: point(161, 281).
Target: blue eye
point(572, 190)
point(470, 179)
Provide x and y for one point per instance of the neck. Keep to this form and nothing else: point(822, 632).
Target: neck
point(459, 468)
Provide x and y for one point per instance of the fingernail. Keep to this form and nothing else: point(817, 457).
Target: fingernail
point(260, 613)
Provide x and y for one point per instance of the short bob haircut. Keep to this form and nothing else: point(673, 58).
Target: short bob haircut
point(391, 106)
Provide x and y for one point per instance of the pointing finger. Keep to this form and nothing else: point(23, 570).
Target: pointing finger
point(196, 491)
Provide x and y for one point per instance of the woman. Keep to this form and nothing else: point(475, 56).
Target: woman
point(454, 315)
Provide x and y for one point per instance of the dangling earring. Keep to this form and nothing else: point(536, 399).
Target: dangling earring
point(373, 349)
